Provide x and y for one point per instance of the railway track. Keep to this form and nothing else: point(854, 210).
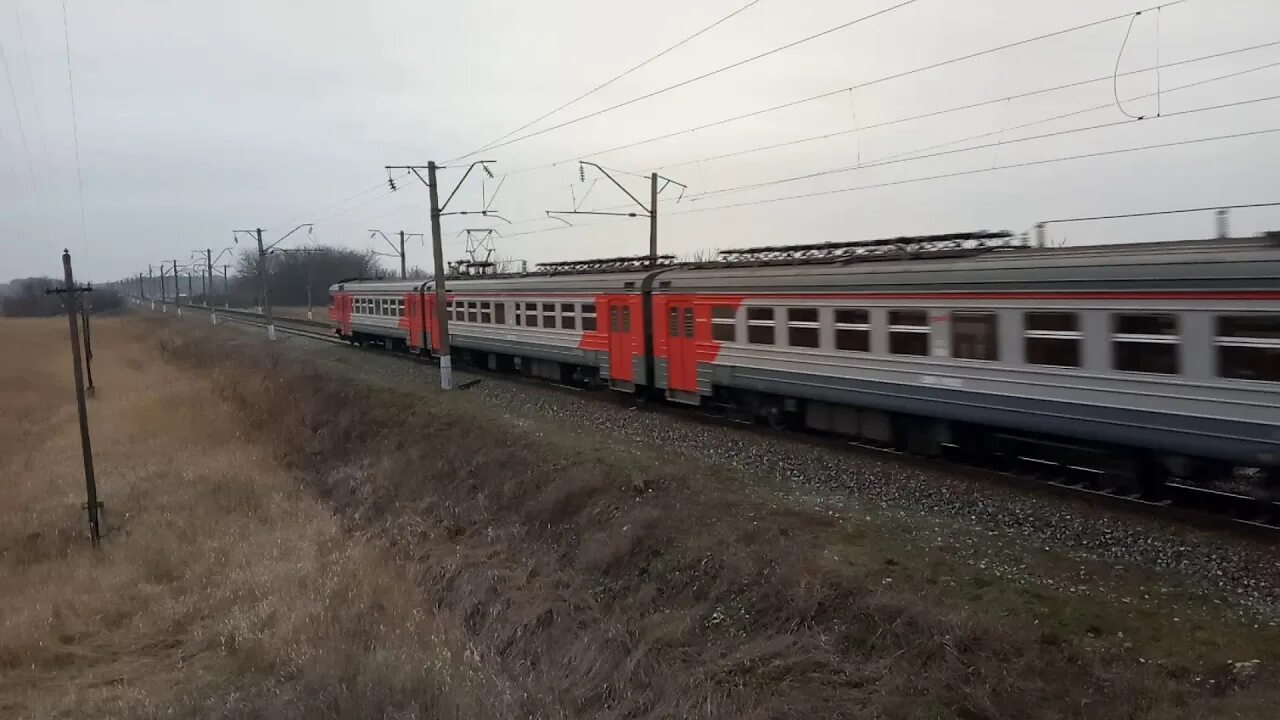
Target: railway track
point(1199, 506)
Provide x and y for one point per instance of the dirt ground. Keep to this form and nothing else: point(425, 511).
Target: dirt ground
point(288, 544)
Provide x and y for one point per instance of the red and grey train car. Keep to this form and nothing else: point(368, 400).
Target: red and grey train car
point(1170, 350)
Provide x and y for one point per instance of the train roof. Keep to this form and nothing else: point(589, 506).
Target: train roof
point(955, 261)
point(1231, 262)
point(378, 285)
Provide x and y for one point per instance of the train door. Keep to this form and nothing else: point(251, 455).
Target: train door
point(620, 340)
point(682, 362)
point(344, 303)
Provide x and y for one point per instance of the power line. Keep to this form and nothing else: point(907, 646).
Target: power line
point(31, 85)
point(962, 173)
point(1084, 111)
point(704, 76)
point(959, 108)
point(911, 156)
point(840, 91)
point(17, 112)
point(345, 200)
point(75, 129)
point(611, 80)
point(1152, 213)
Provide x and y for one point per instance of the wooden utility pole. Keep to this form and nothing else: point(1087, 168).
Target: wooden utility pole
point(177, 290)
point(88, 342)
point(73, 301)
point(437, 252)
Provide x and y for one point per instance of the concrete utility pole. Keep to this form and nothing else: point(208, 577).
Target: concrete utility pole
point(437, 250)
point(163, 292)
point(263, 283)
point(226, 289)
point(151, 280)
point(650, 210)
point(399, 253)
point(74, 293)
point(306, 252)
point(653, 214)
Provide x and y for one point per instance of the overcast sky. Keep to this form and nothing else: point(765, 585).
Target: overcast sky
point(197, 118)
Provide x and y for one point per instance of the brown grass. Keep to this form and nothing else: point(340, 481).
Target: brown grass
point(290, 545)
point(600, 583)
point(223, 588)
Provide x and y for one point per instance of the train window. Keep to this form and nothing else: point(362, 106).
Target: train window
point(459, 311)
point(853, 330)
point(909, 332)
point(1249, 347)
point(974, 336)
point(382, 307)
point(1145, 343)
point(531, 314)
point(688, 322)
point(486, 313)
point(1052, 338)
point(613, 320)
point(626, 319)
point(548, 315)
point(724, 320)
point(589, 317)
point(518, 313)
point(568, 316)
point(673, 322)
point(500, 313)
point(802, 327)
point(760, 325)
point(472, 315)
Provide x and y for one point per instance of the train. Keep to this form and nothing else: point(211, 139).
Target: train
point(1157, 361)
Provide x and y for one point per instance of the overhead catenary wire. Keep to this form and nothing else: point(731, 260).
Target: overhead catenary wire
point(612, 80)
point(978, 171)
point(929, 178)
point(1154, 213)
point(703, 76)
point(839, 91)
point(1115, 75)
point(1082, 111)
point(959, 108)
point(911, 156)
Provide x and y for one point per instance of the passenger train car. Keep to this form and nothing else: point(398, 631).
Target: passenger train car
point(1165, 354)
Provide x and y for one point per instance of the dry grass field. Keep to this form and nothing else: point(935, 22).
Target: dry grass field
point(224, 589)
point(286, 544)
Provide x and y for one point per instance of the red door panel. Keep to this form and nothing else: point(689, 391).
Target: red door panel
point(620, 323)
point(682, 364)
